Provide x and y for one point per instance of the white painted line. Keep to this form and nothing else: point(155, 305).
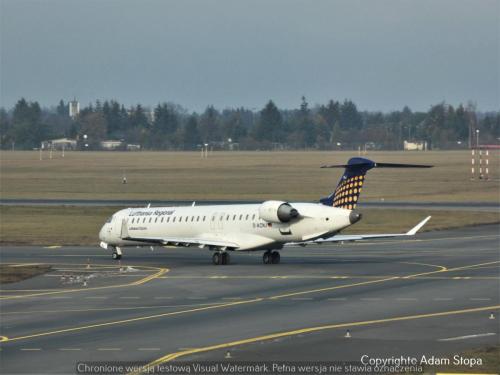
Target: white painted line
point(60, 297)
point(30, 349)
point(480, 299)
point(231, 298)
point(336, 299)
point(96, 297)
point(407, 299)
point(164, 297)
point(109, 349)
point(371, 299)
point(70, 349)
point(442, 299)
point(468, 337)
point(24, 265)
point(131, 297)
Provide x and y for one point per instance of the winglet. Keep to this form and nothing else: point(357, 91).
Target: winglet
point(417, 227)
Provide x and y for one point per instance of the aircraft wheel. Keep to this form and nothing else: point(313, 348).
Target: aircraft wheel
point(275, 257)
point(226, 259)
point(116, 256)
point(266, 258)
point(216, 258)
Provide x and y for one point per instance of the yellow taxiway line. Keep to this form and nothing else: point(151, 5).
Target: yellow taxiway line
point(160, 272)
point(241, 302)
point(172, 356)
point(332, 288)
point(138, 319)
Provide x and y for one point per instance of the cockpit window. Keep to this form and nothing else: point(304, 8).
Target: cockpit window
point(110, 219)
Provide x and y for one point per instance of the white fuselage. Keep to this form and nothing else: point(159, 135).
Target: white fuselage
point(237, 223)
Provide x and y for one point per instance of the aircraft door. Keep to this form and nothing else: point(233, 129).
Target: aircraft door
point(217, 222)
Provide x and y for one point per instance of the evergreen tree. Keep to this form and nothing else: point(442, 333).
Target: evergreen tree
point(62, 109)
point(270, 125)
point(190, 134)
point(209, 125)
point(350, 118)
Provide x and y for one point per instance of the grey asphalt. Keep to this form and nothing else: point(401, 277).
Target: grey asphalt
point(52, 324)
point(461, 206)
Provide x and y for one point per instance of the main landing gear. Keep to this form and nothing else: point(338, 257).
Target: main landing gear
point(117, 253)
point(271, 257)
point(221, 258)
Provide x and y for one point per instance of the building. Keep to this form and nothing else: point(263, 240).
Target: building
point(74, 108)
point(133, 147)
point(415, 146)
point(111, 144)
point(59, 144)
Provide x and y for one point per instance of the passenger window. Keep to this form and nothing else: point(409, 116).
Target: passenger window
point(241, 216)
point(204, 218)
point(144, 220)
point(173, 220)
point(246, 217)
point(253, 217)
point(168, 219)
point(156, 219)
point(180, 219)
point(192, 218)
point(198, 218)
point(162, 219)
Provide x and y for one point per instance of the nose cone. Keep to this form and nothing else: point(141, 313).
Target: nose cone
point(101, 234)
point(354, 217)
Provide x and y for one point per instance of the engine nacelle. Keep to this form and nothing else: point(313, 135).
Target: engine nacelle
point(277, 212)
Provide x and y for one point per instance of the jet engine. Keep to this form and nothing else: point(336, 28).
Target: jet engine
point(277, 212)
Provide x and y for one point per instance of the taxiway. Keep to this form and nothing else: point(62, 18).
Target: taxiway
point(437, 294)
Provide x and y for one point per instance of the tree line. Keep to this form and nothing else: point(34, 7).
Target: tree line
point(168, 126)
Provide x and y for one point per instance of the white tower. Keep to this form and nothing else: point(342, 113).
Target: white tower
point(74, 108)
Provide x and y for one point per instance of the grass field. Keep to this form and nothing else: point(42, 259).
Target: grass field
point(490, 357)
point(80, 225)
point(12, 274)
point(238, 176)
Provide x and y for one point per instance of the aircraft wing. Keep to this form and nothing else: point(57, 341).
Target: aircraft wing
point(359, 237)
point(176, 241)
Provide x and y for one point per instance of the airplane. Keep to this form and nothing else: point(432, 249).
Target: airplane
point(269, 226)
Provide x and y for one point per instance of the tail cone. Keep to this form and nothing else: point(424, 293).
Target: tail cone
point(354, 217)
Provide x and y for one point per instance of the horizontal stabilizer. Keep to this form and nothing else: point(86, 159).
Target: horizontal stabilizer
point(377, 165)
point(359, 237)
point(351, 183)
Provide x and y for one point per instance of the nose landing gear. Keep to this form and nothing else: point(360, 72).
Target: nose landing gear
point(117, 253)
point(221, 258)
point(271, 257)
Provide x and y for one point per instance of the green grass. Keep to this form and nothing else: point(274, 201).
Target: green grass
point(68, 225)
point(239, 176)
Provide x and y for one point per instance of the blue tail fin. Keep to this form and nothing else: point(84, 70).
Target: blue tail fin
point(347, 192)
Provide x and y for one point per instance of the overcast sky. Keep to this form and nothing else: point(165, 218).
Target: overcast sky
point(381, 54)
